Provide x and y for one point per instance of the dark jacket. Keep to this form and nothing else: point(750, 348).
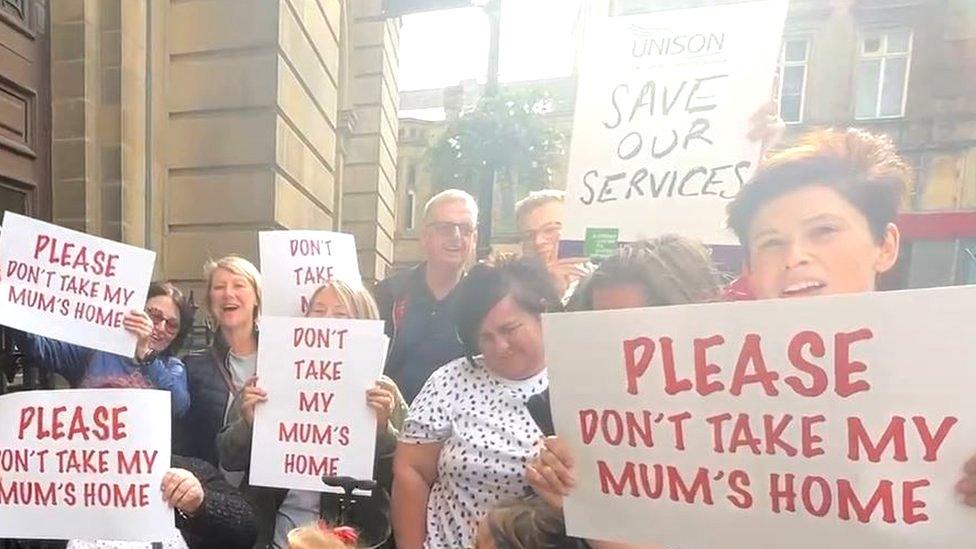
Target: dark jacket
point(82, 366)
point(226, 519)
point(422, 330)
point(209, 382)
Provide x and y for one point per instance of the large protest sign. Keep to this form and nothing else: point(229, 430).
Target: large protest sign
point(316, 421)
point(71, 286)
point(295, 263)
point(663, 109)
point(85, 464)
point(839, 421)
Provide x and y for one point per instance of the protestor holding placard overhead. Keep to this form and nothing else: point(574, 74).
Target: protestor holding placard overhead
point(217, 374)
point(160, 329)
point(468, 434)
point(281, 510)
point(416, 305)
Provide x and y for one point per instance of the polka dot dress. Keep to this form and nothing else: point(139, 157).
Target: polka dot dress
point(488, 436)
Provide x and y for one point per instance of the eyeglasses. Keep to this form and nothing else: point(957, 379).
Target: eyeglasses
point(446, 229)
point(170, 325)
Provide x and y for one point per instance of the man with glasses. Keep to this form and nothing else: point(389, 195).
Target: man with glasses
point(539, 217)
point(416, 305)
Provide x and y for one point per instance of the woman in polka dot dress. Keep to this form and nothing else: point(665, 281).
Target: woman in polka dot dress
point(468, 435)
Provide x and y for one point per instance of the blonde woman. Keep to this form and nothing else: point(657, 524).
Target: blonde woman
point(280, 511)
point(217, 374)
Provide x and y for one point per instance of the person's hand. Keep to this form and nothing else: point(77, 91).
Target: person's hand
point(966, 487)
point(183, 491)
point(139, 324)
point(551, 473)
point(567, 271)
point(766, 126)
point(381, 398)
point(251, 396)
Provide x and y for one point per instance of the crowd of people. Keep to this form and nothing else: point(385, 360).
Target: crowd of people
point(461, 457)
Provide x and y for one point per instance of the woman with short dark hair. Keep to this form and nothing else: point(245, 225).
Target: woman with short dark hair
point(468, 434)
point(160, 328)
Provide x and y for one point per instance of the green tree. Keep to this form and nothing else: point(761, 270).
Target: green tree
point(509, 131)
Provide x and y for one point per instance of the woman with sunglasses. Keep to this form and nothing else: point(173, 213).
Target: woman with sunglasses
point(160, 329)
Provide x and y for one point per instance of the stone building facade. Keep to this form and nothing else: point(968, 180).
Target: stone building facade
point(187, 126)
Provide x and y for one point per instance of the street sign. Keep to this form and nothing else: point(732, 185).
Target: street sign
point(396, 8)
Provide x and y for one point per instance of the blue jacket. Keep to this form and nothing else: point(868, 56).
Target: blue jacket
point(84, 366)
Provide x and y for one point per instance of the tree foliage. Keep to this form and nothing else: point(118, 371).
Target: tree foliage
point(511, 132)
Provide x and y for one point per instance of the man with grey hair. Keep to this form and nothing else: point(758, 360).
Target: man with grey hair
point(416, 305)
point(539, 217)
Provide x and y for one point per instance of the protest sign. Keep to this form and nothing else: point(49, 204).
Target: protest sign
point(85, 464)
point(662, 115)
point(70, 286)
point(837, 421)
point(295, 263)
point(316, 421)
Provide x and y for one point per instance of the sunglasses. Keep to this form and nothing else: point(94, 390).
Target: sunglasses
point(447, 229)
point(170, 325)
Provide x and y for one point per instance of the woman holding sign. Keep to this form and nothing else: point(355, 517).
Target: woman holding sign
point(817, 219)
point(468, 434)
point(160, 329)
point(218, 373)
point(279, 510)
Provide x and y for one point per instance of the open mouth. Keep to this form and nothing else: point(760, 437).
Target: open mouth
point(229, 307)
point(806, 287)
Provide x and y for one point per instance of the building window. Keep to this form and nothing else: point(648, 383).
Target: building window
point(410, 208)
point(882, 73)
point(793, 79)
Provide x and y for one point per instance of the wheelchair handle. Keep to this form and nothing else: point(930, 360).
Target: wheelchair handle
point(348, 484)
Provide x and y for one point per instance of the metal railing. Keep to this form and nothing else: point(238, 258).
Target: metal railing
point(16, 372)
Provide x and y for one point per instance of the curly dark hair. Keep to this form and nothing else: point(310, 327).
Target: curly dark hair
point(672, 269)
point(487, 283)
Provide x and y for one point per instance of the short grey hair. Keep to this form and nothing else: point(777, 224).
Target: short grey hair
point(451, 195)
point(535, 199)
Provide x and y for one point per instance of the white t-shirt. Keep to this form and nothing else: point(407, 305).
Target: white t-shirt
point(488, 436)
point(241, 368)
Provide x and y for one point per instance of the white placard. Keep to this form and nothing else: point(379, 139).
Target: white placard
point(316, 421)
point(295, 263)
point(70, 286)
point(85, 464)
point(681, 395)
point(662, 115)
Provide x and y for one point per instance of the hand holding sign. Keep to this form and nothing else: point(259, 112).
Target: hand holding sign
point(551, 473)
point(182, 490)
point(251, 396)
point(139, 324)
point(382, 400)
point(967, 485)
